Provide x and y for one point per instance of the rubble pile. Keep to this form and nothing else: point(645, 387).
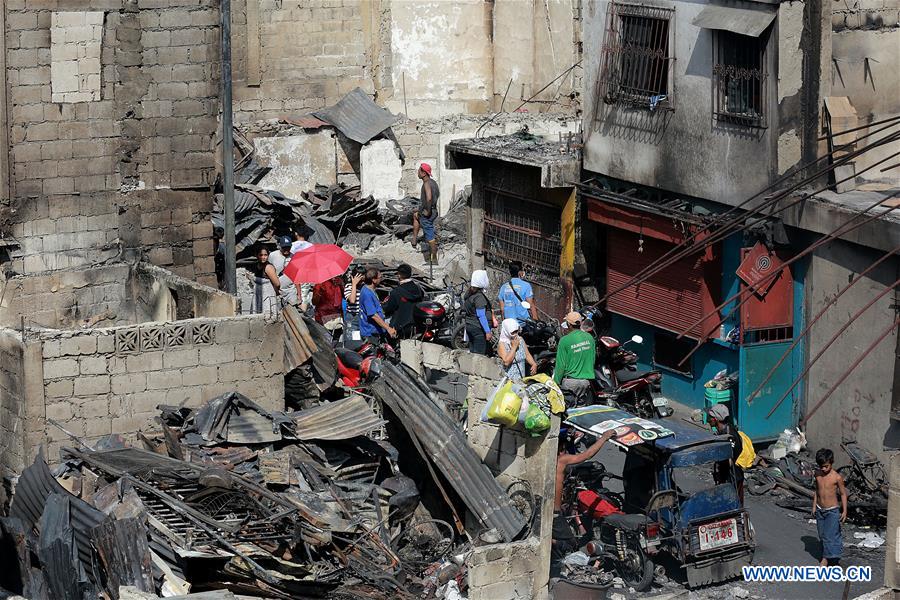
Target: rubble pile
point(363, 496)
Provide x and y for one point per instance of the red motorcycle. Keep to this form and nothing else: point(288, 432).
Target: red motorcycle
point(356, 367)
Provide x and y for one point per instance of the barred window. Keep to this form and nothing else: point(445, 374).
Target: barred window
point(739, 73)
point(635, 63)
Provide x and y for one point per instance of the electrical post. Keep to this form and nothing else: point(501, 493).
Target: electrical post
point(228, 151)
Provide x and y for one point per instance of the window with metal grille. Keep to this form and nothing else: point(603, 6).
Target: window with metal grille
point(739, 78)
point(517, 228)
point(635, 62)
point(768, 335)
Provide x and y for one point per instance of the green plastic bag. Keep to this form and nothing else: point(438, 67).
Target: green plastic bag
point(536, 422)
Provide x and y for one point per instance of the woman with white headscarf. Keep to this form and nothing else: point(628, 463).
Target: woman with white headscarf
point(477, 308)
point(514, 352)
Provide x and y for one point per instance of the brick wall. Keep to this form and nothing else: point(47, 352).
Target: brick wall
point(111, 380)
point(12, 401)
point(68, 299)
point(309, 55)
point(89, 171)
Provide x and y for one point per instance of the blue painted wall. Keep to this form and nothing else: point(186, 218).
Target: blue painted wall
point(705, 363)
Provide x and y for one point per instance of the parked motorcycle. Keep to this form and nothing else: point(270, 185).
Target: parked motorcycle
point(866, 482)
point(355, 367)
point(620, 381)
point(619, 540)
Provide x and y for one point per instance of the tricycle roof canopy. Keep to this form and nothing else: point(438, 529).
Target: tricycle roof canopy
point(705, 446)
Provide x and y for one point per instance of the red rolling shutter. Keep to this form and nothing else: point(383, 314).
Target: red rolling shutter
point(674, 298)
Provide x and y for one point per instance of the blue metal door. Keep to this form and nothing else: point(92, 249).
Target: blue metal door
point(756, 361)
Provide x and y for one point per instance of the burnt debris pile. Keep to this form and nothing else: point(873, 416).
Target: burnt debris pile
point(374, 495)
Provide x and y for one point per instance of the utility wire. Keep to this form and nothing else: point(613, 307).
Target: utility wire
point(809, 326)
point(683, 249)
point(850, 321)
point(846, 374)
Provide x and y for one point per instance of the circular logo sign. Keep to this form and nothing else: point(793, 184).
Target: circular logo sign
point(648, 435)
point(763, 263)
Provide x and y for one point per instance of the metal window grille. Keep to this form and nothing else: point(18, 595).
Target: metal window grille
point(516, 228)
point(740, 78)
point(767, 336)
point(635, 59)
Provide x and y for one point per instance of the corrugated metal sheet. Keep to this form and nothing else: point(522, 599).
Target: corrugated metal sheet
point(672, 299)
point(299, 345)
point(341, 420)
point(744, 21)
point(306, 122)
point(357, 116)
point(32, 490)
point(447, 447)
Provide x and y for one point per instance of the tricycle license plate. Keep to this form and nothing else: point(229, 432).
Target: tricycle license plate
point(716, 535)
point(660, 401)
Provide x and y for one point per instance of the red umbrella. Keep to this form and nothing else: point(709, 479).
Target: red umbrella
point(318, 263)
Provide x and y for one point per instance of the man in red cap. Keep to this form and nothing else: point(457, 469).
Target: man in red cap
point(424, 217)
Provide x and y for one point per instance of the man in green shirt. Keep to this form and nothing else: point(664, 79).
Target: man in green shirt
point(575, 358)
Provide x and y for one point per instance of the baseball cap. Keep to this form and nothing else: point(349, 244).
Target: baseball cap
point(719, 412)
point(573, 318)
point(425, 167)
point(285, 241)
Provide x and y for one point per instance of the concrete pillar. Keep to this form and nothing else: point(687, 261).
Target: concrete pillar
point(892, 535)
point(4, 124)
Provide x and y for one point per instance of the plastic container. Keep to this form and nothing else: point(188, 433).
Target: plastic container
point(715, 396)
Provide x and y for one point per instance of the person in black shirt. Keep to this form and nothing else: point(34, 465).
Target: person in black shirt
point(401, 301)
point(479, 314)
point(719, 418)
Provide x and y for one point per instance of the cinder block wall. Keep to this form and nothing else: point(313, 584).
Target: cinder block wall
point(519, 570)
point(12, 401)
point(112, 120)
point(111, 380)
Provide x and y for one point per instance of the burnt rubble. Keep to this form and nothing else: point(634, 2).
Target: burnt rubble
point(374, 494)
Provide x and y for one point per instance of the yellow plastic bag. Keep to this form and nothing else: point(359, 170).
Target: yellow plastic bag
point(503, 406)
point(547, 391)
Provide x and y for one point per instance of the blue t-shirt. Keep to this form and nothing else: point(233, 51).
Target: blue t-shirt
point(512, 307)
point(368, 307)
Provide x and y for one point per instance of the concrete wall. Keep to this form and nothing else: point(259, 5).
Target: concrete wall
point(451, 57)
point(422, 140)
point(686, 150)
point(92, 172)
point(859, 409)
point(114, 294)
point(12, 401)
point(865, 44)
point(519, 570)
point(110, 380)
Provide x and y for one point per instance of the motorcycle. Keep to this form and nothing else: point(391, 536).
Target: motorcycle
point(539, 336)
point(602, 530)
point(866, 482)
point(356, 367)
point(619, 381)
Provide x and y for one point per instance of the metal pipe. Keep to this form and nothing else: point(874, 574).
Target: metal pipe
point(829, 238)
point(846, 374)
point(683, 249)
point(815, 359)
point(834, 135)
point(835, 233)
point(812, 321)
point(228, 151)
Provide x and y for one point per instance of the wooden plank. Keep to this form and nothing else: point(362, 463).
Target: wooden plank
point(253, 74)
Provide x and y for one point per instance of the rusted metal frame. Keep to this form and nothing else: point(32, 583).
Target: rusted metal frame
point(847, 373)
point(842, 229)
point(809, 325)
point(895, 120)
point(748, 293)
point(685, 249)
point(813, 360)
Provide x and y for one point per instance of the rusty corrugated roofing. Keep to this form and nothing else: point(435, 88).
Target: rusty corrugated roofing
point(341, 420)
point(449, 449)
point(357, 116)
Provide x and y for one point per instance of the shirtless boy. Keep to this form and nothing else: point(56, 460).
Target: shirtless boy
point(825, 507)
